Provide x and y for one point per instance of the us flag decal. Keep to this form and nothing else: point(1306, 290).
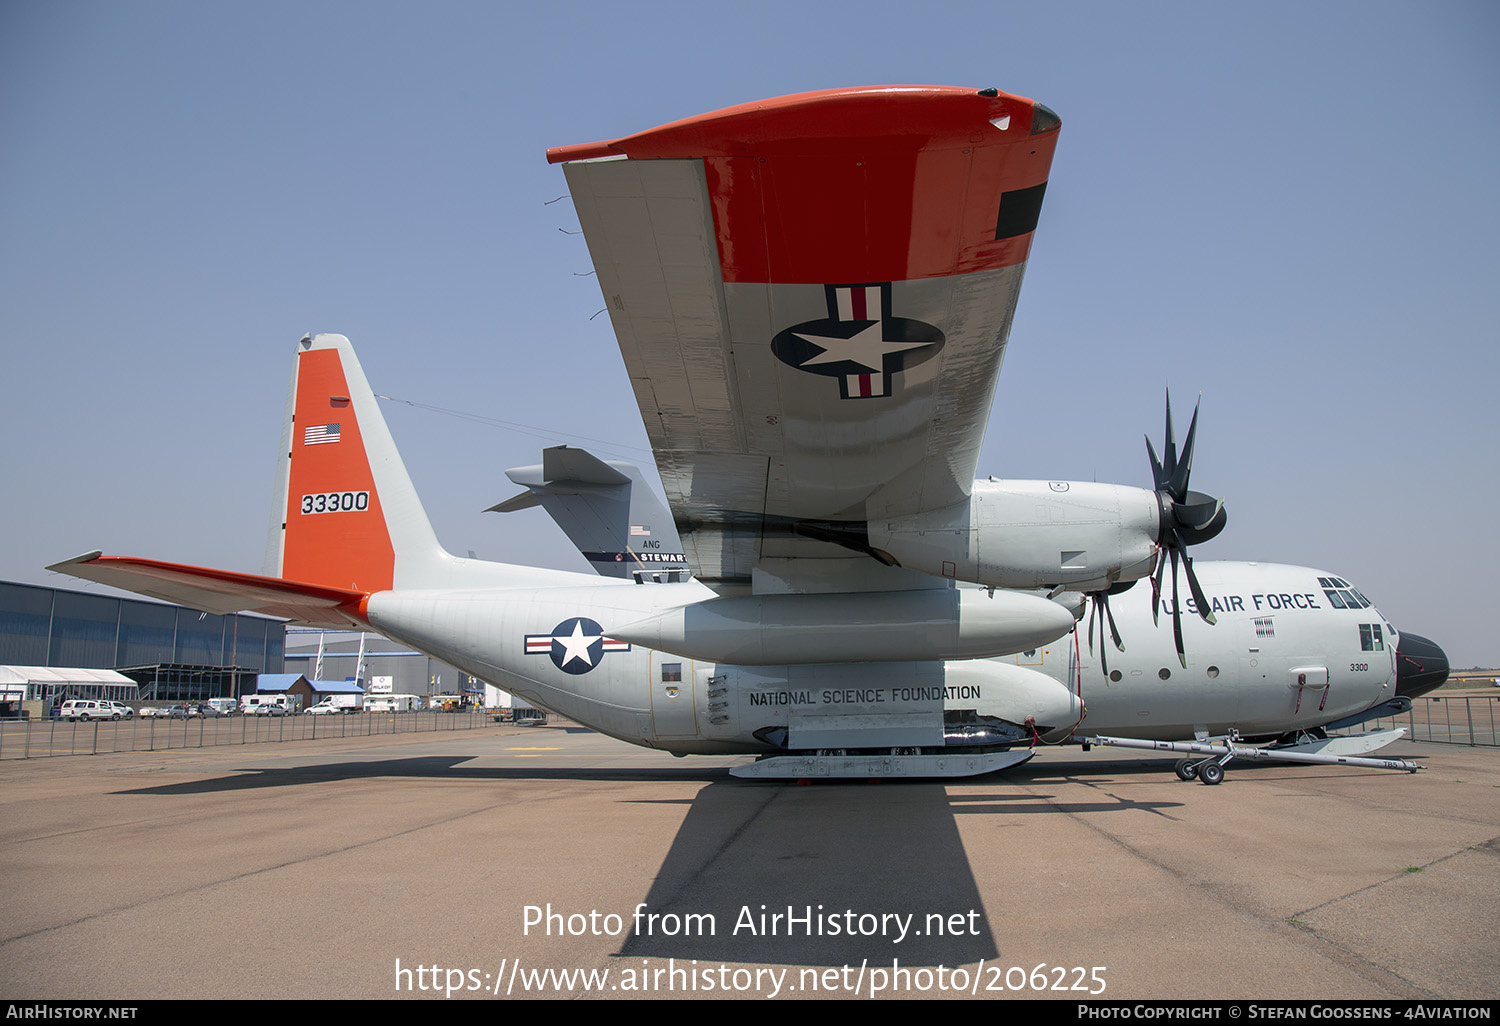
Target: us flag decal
point(321, 434)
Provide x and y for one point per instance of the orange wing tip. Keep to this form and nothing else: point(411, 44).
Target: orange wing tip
point(581, 151)
point(936, 113)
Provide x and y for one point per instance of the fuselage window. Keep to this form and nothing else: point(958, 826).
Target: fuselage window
point(1164, 673)
point(671, 672)
point(1213, 671)
point(1114, 675)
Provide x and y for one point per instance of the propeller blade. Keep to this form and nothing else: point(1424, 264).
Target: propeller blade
point(1179, 483)
point(1114, 632)
point(1205, 610)
point(1177, 614)
point(1161, 563)
point(1158, 472)
point(1092, 605)
point(1170, 465)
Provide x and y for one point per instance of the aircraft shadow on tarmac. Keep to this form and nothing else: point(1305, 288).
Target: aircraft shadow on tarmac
point(855, 872)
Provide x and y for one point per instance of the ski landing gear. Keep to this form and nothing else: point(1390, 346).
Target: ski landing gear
point(893, 762)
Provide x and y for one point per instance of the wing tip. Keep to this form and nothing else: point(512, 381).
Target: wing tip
point(87, 557)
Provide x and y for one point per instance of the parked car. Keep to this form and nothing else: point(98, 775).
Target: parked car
point(171, 712)
point(325, 709)
point(124, 710)
point(203, 709)
point(270, 709)
point(87, 709)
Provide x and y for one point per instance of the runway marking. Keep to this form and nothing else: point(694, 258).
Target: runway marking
point(533, 749)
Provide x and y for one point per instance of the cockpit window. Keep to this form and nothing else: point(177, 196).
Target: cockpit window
point(1345, 598)
point(1370, 639)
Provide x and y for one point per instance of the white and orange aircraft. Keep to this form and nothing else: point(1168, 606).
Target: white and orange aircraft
point(813, 296)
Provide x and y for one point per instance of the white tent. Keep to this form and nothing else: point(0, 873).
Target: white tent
point(37, 682)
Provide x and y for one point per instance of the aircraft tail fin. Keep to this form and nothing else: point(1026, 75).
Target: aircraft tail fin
point(606, 509)
point(346, 515)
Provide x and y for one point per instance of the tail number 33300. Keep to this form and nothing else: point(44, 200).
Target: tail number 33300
point(336, 502)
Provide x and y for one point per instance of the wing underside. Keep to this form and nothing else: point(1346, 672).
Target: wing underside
point(812, 296)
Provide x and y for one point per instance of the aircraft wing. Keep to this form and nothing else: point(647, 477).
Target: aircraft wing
point(812, 295)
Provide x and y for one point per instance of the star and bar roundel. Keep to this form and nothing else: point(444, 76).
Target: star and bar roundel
point(576, 645)
point(860, 343)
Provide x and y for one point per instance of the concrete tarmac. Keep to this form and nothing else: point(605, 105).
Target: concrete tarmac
point(511, 862)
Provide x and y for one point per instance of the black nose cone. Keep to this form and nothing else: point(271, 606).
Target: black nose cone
point(1420, 666)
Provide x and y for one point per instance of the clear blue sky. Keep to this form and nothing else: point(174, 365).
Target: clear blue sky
point(1290, 207)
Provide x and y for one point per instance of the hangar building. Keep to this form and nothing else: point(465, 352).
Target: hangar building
point(174, 654)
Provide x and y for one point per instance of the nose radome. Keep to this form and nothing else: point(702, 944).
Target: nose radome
point(1421, 666)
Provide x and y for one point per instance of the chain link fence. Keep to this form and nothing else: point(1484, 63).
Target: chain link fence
point(31, 739)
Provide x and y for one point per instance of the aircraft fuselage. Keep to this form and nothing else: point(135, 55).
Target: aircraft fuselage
point(1280, 658)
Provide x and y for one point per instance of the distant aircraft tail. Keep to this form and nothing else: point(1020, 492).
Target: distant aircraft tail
point(606, 509)
point(346, 514)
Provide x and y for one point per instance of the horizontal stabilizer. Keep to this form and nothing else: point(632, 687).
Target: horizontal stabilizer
point(561, 463)
point(218, 591)
point(525, 500)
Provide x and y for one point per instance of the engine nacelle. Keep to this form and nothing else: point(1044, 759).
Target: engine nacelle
point(1031, 534)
